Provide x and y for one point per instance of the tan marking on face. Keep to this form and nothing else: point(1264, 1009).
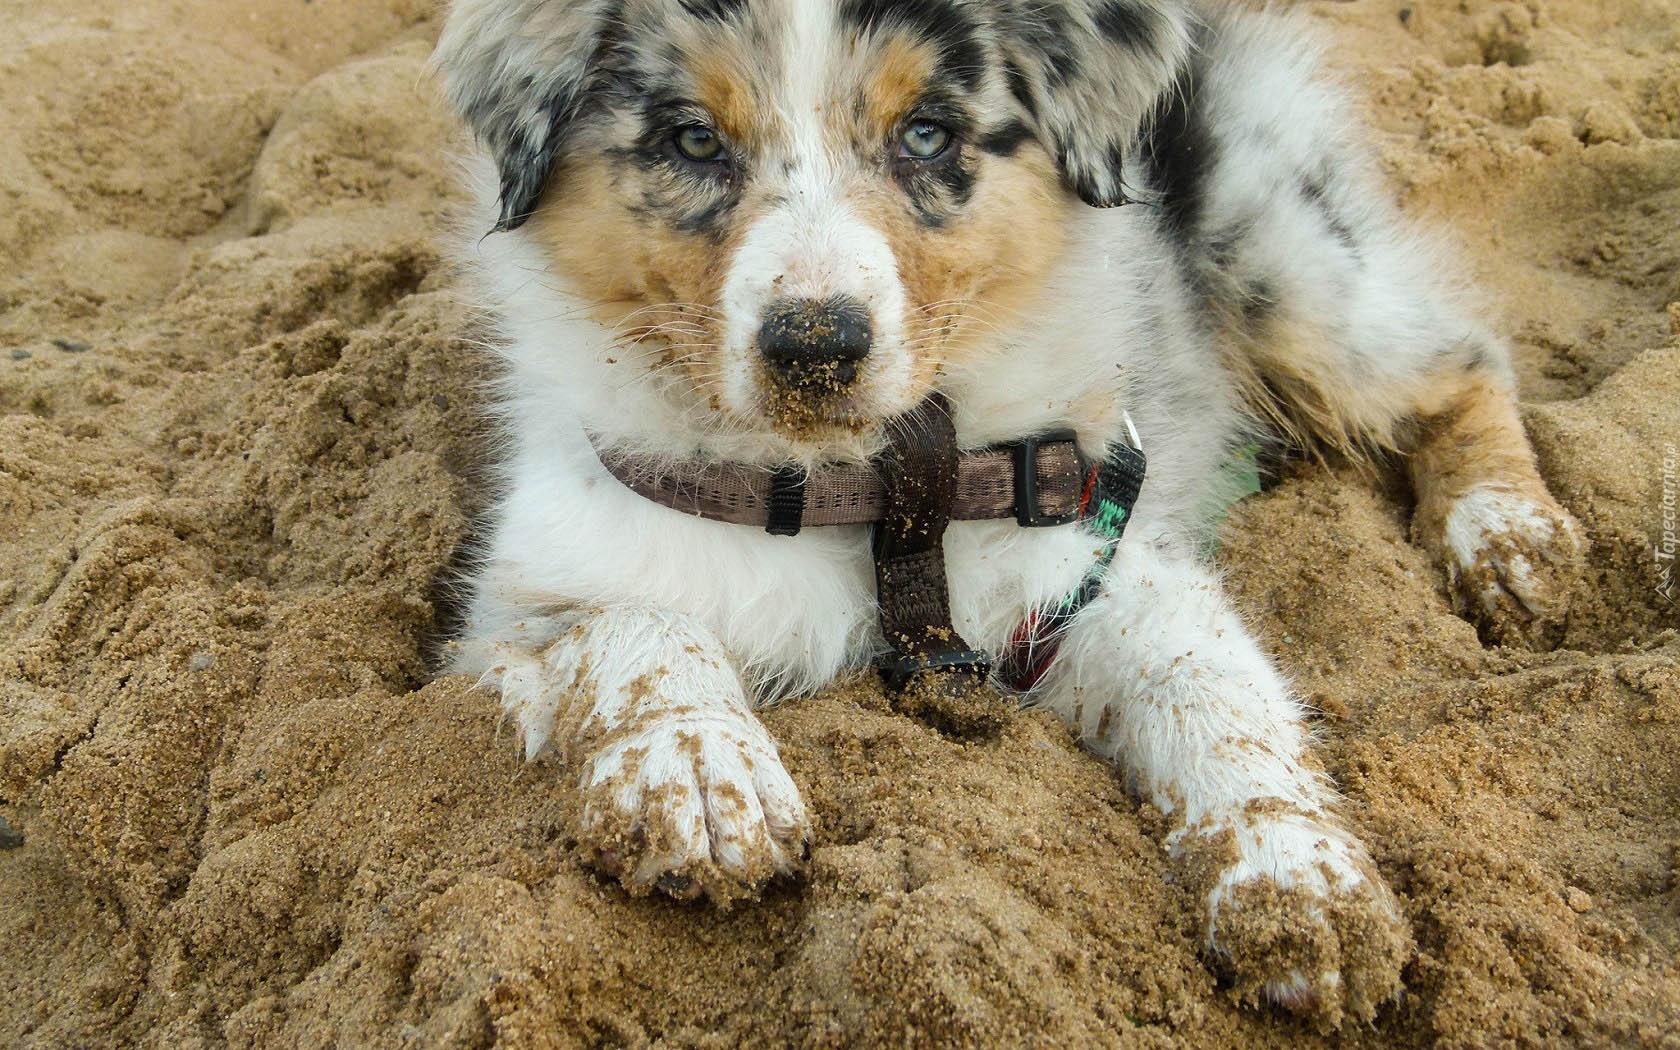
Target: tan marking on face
point(638, 272)
point(719, 87)
point(979, 271)
point(895, 81)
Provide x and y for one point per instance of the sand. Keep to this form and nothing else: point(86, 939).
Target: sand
point(238, 446)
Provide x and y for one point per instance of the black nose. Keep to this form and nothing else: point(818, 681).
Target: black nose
point(815, 343)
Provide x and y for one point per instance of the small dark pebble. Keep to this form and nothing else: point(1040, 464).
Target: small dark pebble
point(70, 346)
point(21, 355)
point(681, 887)
point(10, 837)
point(1405, 15)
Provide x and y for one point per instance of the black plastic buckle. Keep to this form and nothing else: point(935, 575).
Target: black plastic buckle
point(1025, 453)
point(897, 671)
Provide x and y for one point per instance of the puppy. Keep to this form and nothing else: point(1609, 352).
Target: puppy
point(761, 235)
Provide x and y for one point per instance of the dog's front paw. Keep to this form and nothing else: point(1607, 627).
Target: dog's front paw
point(692, 805)
point(1298, 916)
point(1511, 558)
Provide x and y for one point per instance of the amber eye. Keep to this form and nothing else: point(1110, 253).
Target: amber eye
point(923, 140)
point(698, 142)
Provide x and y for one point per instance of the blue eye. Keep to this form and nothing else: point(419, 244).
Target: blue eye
point(923, 140)
point(697, 142)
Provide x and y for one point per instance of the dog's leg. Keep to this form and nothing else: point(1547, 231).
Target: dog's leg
point(1483, 511)
point(1509, 549)
point(1345, 326)
point(1159, 674)
point(683, 790)
point(1446, 403)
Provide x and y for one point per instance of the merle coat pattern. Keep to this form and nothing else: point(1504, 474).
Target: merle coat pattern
point(1064, 213)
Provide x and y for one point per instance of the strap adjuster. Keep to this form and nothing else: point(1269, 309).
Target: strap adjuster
point(1025, 455)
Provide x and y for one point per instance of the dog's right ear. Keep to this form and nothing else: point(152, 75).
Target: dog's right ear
point(519, 72)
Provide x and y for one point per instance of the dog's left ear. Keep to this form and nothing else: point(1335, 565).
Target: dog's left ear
point(519, 72)
point(1089, 73)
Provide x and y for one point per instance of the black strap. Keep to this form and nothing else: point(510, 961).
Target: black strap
point(787, 502)
point(1119, 480)
point(919, 470)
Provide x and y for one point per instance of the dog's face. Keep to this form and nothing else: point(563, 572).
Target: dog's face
point(809, 208)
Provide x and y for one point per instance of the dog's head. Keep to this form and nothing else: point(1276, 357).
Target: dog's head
point(810, 207)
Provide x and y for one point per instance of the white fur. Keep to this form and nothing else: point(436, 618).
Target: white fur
point(815, 247)
point(1489, 528)
point(685, 762)
point(1207, 728)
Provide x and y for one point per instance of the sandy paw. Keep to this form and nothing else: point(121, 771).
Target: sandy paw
point(1297, 916)
point(1510, 559)
point(692, 806)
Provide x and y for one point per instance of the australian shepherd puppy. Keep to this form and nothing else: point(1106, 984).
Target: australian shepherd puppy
point(1057, 215)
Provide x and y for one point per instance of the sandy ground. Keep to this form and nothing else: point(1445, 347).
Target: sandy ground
point(237, 449)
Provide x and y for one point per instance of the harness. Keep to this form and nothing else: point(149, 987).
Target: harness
point(910, 493)
point(1111, 490)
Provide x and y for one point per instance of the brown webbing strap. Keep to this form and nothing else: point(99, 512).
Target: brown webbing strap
point(853, 493)
point(919, 472)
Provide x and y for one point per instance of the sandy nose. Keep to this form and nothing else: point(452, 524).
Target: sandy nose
point(813, 344)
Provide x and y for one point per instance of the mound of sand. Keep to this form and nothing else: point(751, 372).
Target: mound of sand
point(237, 448)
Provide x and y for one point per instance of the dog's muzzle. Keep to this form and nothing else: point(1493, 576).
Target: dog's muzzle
point(815, 345)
